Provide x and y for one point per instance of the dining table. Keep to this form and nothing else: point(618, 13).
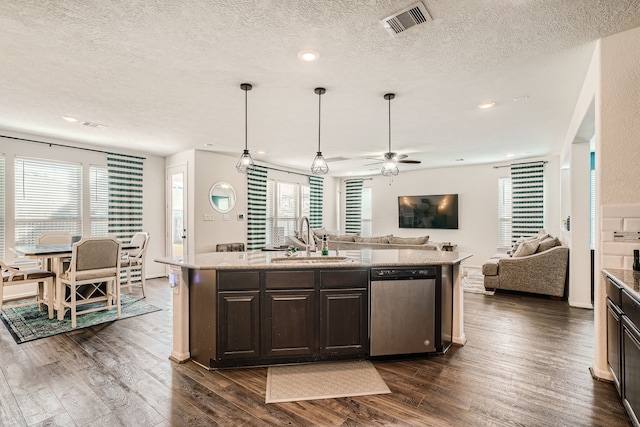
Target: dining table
point(52, 257)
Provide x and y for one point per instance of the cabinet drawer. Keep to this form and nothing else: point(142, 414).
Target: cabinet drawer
point(631, 308)
point(614, 291)
point(238, 280)
point(289, 279)
point(344, 278)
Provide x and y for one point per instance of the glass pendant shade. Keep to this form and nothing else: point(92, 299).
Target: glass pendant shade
point(319, 165)
point(390, 165)
point(245, 164)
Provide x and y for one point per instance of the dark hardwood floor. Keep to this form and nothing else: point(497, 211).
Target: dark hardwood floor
point(525, 364)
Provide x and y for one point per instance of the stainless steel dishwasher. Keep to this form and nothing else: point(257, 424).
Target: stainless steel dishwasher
point(402, 310)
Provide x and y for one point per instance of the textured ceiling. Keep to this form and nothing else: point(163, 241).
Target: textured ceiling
point(164, 76)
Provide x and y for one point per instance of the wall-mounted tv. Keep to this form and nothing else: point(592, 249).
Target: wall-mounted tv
point(435, 211)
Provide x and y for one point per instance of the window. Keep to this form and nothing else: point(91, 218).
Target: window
point(48, 197)
point(99, 203)
point(527, 199)
point(287, 202)
point(504, 212)
point(2, 213)
point(366, 229)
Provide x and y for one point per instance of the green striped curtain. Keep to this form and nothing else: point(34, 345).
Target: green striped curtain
point(125, 174)
point(527, 180)
point(353, 206)
point(316, 184)
point(256, 208)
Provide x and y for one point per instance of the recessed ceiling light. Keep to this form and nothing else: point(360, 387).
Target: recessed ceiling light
point(70, 119)
point(261, 152)
point(510, 154)
point(486, 105)
point(521, 98)
point(208, 144)
point(308, 55)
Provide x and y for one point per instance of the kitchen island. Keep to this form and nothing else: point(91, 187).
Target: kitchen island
point(256, 308)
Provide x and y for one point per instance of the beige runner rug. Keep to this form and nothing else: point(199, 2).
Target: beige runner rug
point(323, 381)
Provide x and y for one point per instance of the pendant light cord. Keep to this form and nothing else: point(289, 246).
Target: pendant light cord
point(246, 127)
point(319, 117)
point(389, 124)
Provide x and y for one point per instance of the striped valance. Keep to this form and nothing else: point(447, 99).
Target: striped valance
point(125, 174)
point(527, 182)
point(316, 185)
point(353, 206)
point(256, 208)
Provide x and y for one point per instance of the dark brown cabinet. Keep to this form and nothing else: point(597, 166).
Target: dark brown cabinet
point(289, 323)
point(614, 331)
point(239, 328)
point(280, 316)
point(631, 370)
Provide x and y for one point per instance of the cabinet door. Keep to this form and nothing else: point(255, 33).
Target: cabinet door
point(239, 324)
point(289, 323)
point(613, 341)
point(631, 369)
point(343, 322)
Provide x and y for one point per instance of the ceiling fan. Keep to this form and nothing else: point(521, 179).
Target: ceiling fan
point(401, 158)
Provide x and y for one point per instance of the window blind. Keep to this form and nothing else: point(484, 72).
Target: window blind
point(2, 205)
point(125, 180)
point(504, 212)
point(527, 182)
point(99, 203)
point(256, 207)
point(366, 228)
point(48, 197)
point(316, 184)
point(592, 199)
point(353, 206)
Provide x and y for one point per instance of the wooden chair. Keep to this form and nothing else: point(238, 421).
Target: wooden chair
point(54, 238)
point(12, 276)
point(134, 260)
point(92, 277)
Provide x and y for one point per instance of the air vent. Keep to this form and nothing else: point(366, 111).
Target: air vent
point(94, 125)
point(405, 19)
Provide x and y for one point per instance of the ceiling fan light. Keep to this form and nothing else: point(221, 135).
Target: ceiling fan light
point(319, 165)
point(245, 164)
point(390, 165)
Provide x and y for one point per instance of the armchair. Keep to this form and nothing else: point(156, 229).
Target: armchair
point(134, 260)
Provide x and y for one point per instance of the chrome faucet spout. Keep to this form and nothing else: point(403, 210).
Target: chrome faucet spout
point(309, 242)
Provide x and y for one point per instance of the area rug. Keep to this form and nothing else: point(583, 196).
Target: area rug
point(473, 281)
point(323, 381)
point(28, 324)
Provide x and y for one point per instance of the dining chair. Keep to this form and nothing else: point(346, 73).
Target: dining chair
point(93, 278)
point(133, 259)
point(55, 238)
point(12, 276)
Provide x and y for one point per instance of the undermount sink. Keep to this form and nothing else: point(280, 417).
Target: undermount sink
point(312, 260)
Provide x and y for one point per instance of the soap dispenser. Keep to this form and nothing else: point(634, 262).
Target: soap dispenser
point(325, 245)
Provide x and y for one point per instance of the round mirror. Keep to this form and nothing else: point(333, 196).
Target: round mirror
point(222, 197)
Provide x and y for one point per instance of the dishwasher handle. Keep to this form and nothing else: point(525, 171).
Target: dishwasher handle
point(413, 273)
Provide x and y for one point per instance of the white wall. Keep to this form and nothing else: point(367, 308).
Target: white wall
point(477, 189)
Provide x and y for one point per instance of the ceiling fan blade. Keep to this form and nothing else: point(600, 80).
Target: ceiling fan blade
point(374, 163)
point(410, 162)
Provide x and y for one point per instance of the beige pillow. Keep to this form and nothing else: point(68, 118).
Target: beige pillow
point(319, 232)
point(527, 247)
point(382, 239)
point(408, 240)
point(548, 243)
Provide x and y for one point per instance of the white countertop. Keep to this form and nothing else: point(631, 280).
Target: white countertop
point(358, 258)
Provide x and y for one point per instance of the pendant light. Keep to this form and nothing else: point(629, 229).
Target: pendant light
point(245, 164)
point(319, 165)
point(390, 165)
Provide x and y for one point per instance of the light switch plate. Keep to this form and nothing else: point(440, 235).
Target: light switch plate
point(209, 217)
point(225, 217)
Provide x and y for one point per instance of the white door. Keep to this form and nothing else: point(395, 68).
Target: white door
point(177, 210)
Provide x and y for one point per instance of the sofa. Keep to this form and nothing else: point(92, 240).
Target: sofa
point(350, 242)
point(537, 265)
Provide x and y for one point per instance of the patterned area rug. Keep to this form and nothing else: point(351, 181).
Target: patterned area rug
point(473, 281)
point(323, 381)
point(28, 324)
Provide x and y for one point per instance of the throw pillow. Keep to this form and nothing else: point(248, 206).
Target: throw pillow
point(319, 232)
point(548, 243)
point(409, 240)
point(382, 239)
point(528, 247)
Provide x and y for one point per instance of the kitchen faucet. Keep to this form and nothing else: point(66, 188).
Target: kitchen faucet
point(309, 242)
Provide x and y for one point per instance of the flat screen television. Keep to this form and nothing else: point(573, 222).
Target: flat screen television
point(435, 211)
